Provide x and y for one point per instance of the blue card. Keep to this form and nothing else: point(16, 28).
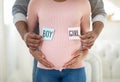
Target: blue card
point(47, 33)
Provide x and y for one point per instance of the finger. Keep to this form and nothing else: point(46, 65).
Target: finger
point(31, 48)
point(45, 60)
point(90, 45)
point(88, 40)
point(46, 63)
point(72, 61)
point(35, 36)
point(31, 45)
point(30, 41)
point(76, 53)
point(33, 40)
point(68, 64)
point(84, 48)
point(91, 40)
point(76, 60)
point(71, 65)
point(84, 43)
point(86, 35)
point(83, 37)
point(42, 59)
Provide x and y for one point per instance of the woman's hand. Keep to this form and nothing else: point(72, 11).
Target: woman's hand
point(78, 55)
point(40, 56)
point(33, 41)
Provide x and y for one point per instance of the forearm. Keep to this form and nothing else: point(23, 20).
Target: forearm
point(97, 27)
point(19, 12)
point(22, 28)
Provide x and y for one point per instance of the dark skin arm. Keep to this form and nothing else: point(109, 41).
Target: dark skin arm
point(90, 37)
point(33, 41)
point(87, 40)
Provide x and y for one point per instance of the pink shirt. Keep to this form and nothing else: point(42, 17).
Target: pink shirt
point(59, 16)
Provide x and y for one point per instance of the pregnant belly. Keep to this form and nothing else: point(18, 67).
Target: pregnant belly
point(58, 51)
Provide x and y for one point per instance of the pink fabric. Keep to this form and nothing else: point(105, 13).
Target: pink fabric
point(60, 16)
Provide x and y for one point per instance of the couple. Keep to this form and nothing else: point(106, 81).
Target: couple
point(60, 57)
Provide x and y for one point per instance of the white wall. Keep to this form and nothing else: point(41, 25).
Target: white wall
point(19, 60)
point(15, 60)
point(2, 46)
point(111, 31)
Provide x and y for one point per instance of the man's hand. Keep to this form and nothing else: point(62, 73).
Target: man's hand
point(78, 55)
point(40, 56)
point(88, 39)
point(32, 40)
